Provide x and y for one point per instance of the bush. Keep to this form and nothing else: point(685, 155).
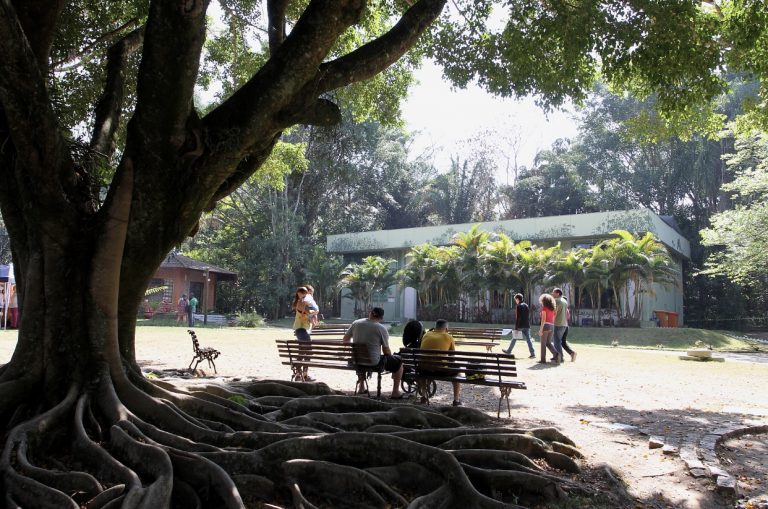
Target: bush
point(250, 319)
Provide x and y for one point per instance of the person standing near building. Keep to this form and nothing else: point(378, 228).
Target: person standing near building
point(181, 308)
point(523, 325)
point(13, 308)
point(192, 310)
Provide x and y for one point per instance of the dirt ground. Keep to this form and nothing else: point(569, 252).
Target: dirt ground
point(610, 401)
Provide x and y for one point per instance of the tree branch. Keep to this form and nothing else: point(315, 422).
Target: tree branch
point(80, 54)
point(374, 57)
point(173, 41)
point(33, 128)
point(110, 104)
point(276, 19)
point(38, 20)
point(250, 112)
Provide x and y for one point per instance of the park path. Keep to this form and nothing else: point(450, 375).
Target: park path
point(611, 402)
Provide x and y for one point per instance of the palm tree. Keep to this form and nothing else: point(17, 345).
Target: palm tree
point(566, 269)
point(374, 274)
point(498, 265)
point(470, 246)
point(597, 272)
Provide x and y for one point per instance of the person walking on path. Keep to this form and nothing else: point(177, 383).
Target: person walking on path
point(567, 348)
point(522, 326)
point(547, 326)
point(192, 309)
point(561, 322)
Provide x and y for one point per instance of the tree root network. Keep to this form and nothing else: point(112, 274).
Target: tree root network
point(140, 444)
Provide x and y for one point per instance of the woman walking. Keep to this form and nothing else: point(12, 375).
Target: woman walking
point(547, 327)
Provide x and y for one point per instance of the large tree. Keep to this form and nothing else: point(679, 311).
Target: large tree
point(91, 217)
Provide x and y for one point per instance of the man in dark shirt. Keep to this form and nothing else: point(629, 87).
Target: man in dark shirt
point(522, 324)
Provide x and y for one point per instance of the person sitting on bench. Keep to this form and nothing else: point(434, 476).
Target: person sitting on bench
point(370, 332)
point(439, 339)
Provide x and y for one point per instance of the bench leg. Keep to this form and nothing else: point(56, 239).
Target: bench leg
point(211, 363)
point(505, 391)
point(378, 386)
point(422, 389)
point(192, 370)
point(361, 386)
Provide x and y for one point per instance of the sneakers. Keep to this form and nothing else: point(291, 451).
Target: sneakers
point(506, 351)
point(456, 403)
point(532, 356)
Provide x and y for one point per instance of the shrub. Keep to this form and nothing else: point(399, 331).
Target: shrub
point(250, 319)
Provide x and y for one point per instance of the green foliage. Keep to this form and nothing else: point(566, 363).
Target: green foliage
point(742, 232)
point(479, 264)
point(363, 280)
point(240, 400)
point(250, 319)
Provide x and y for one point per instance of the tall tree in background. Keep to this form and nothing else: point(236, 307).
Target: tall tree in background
point(741, 234)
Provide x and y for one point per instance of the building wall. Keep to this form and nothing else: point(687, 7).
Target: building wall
point(182, 280)
point(580, 230)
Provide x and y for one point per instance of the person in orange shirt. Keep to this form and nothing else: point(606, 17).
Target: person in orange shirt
point(439, 339)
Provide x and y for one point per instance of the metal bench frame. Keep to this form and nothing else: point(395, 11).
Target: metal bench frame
point(202, 353)
point(497, 370)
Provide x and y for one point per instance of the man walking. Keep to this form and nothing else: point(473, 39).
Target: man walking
point(561, 322)
point(523, 325)
point(370, 332)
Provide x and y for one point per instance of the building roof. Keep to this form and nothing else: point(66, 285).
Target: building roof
point(176, 260)
point(554, 228)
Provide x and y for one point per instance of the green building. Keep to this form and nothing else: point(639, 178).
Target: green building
point(578, 230)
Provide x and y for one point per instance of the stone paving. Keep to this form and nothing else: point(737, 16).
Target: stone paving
point(698, 450)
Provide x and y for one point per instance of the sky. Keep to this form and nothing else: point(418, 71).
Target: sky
point(443, 118)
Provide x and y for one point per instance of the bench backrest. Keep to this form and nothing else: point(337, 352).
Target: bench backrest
point(323, 351)
point(468, 333)
point(490, 366)
point(195, 342)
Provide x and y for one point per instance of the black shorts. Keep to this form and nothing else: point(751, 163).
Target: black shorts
point(389, 363)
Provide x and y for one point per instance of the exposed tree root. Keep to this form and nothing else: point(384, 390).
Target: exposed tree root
point(147, 445)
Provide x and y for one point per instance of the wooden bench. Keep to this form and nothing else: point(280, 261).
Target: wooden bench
point(202, 354)
point(475, 368)
point(330, 329)
point(329, 354)
point(465, 336)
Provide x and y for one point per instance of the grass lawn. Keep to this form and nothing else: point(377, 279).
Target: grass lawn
point(651, 338)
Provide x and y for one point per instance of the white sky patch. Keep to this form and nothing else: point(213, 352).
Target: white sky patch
point(443, 118)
